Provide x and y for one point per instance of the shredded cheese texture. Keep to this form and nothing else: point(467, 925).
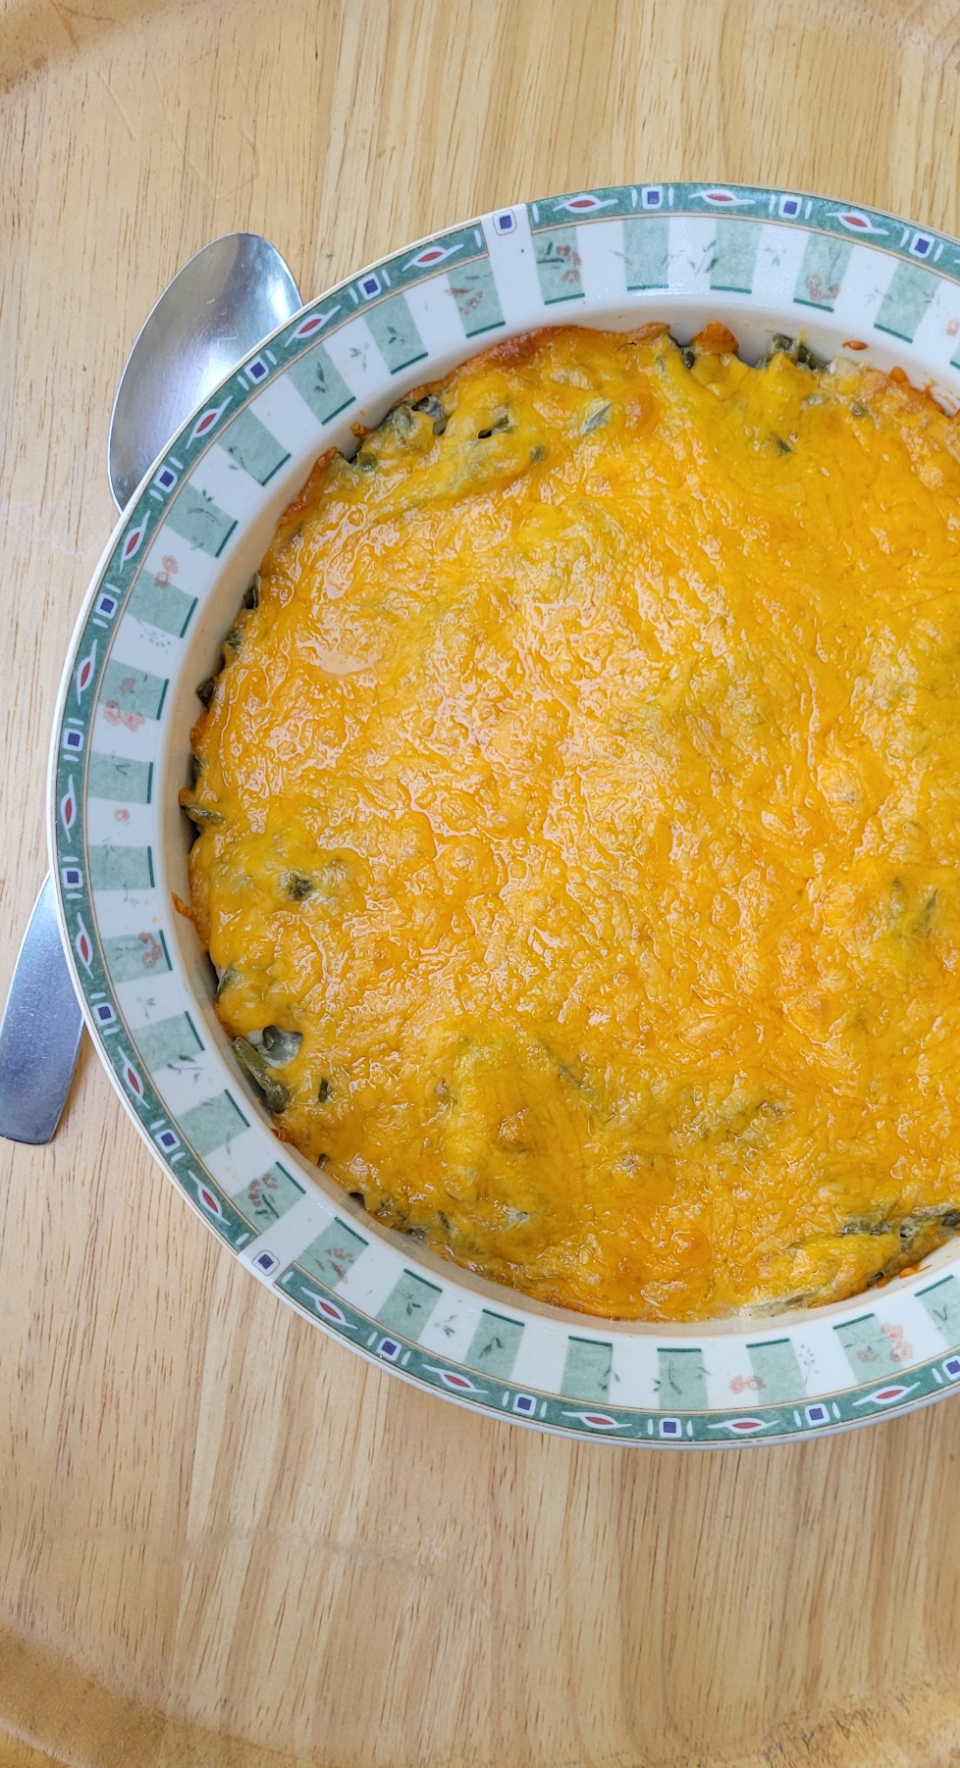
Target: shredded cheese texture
point(578, 823)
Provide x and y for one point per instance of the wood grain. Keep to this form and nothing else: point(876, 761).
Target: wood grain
point(225, 1542)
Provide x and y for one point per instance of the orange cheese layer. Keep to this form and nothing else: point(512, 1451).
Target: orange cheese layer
point(584, 791)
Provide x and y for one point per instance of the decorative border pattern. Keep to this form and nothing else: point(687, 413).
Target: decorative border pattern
point(686, 250)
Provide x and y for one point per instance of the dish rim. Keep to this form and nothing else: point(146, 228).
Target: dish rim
point(603, 1420)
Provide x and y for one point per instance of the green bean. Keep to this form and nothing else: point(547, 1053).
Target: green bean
point(280, 1047)
point(435, 412)
point(276, 1097)
point(597, 417)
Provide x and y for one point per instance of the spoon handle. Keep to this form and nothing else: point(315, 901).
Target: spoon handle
point(40, 1030)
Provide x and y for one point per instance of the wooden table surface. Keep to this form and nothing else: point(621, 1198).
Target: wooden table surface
point(224, 1541)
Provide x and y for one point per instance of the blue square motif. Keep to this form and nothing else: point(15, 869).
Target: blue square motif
point(817, 1415)
point(670, 1427)
point(790, 207)
point(504, 223)
point(107, 604)
point(525, 1403)
point(652, 196)
point(952, 1367)
point(370, 286)
point(921, 245)
point(389, 1348)
point(72, 877)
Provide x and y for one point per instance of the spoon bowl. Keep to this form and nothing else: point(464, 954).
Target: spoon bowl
point(228, 296)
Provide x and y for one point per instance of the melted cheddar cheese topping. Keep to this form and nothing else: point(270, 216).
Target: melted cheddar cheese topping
point(578, 823)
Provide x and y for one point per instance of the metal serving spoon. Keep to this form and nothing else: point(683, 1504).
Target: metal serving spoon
point(217, 308)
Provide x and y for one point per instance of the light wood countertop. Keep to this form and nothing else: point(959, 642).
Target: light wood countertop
point(224, 1541)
